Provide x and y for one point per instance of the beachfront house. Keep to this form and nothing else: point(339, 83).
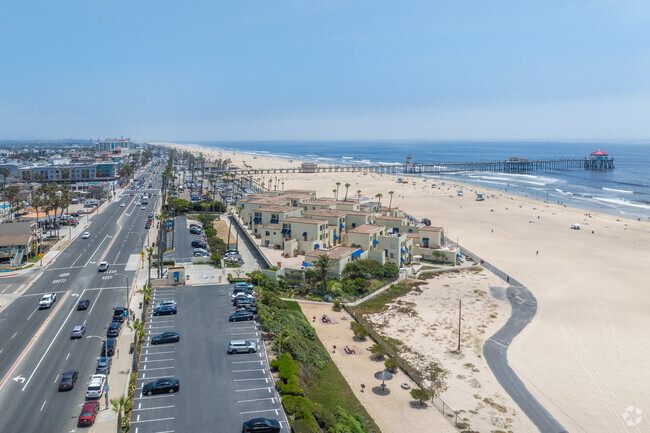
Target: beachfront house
point(394, 224)
point(301, 235)
point(431, 237)
point(430, 245)
point(397, 248)
point(365, 236)
point(265, 215)
point(357, 218)
point(335, 218)
point(340, 256)
point(18, 241)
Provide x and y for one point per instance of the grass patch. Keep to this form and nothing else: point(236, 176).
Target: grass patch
point(377, 303)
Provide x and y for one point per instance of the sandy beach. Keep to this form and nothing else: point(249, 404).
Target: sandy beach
point(585, 354)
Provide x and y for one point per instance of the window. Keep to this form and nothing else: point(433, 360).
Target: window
point(268, 233)
point(392, 255)
point(393, 246)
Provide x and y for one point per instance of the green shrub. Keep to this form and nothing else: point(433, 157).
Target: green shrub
point(390, 364)
point(378, 350)
point(336, 305)
point(291, 389)
point(420, 395)
point(359, 331)
point(346, 423)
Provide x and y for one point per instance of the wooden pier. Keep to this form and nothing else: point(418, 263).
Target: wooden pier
point(512, 165)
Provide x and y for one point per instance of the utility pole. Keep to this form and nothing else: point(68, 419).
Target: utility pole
point(460, 308)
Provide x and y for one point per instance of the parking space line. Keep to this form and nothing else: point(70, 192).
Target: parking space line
point(244, 371)
point(266, 379)
point(158, 368)
point(152, 420)
point(244, 333)
point(153, 377)
point(244, 362)
point(257, 411)
point(257, 399)
point(253, 389)
point(153, 408)
point(159, 360)
point(155, 396)
point(163, 326)
point(164, 321)
point(159, 353)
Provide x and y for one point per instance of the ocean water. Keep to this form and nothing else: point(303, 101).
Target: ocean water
point(625, 190)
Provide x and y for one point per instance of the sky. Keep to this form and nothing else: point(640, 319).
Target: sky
point(332, 70)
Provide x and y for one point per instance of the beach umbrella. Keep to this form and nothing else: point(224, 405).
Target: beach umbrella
point(383, 375)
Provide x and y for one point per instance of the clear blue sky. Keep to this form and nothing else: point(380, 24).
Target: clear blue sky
point(325, 69)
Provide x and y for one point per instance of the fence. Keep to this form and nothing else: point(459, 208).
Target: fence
point(414, 375)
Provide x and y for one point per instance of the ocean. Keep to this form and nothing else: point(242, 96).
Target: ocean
point(624, 191)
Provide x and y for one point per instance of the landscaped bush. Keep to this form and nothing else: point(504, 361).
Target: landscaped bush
point(359, 331)
point(390, 364)
point(346, 423)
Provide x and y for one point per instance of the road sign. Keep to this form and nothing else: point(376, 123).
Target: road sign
point(142, 254)
point(40, 255)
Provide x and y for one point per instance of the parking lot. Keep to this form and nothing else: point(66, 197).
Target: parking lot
point(218, 391)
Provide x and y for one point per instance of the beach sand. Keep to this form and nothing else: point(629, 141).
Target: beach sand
point(585, 354)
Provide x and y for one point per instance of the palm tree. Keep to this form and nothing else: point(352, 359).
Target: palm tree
point(347, 186)
point(337, 190)
point(379, 196)
point(323, 265)
point(37, 203)
point(5, 173)
point(118, 405)
point(11, 194)
point(358, 195)
point(390, 193)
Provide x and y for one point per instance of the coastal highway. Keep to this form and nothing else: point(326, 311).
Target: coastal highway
point(35, 344)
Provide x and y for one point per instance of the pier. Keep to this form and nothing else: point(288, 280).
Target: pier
point(513, 165)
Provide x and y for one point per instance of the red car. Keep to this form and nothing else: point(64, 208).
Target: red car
point(88, 413)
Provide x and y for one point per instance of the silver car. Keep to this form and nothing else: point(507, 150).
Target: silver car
point(242, 346)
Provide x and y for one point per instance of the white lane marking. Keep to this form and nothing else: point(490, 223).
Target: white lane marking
point(253, 389)
point(74, 307)
point(245, 362)
point(256, 369)
point(96, 249)
point(259, 411)
point(160, 360)
point(66, 358)
point(153, 408)
point(153, 420)
point(15, 333)
point(257, 378)
point(257, 399)
point(77, 259)
point(30, 316)
point(93, 305)
point(154, 396)
point(43, 405)
point(159, 353)
point(56, 378)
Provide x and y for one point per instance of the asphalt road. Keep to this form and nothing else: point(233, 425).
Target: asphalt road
point(495, 351)
point(35, 347)
point(218, 392)
point(182, 241)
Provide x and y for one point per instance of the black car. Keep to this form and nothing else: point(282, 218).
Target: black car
point(114, 329)
point(119, 313)
point(83, 304)
point(199, 244)
point(166, 337)
point(68, 379)
point(164, 310)
point(195, 230)
point(241, 316)
point(261, 425)
point(160, 386)
point(109, 347)
point(104, 365)
point(242, 298)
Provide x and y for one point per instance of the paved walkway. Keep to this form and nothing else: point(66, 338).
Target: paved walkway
point(495, 351)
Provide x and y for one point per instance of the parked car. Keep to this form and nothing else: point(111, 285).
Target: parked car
point(246, 306)
point(230, 251)
point(119, 313)
point(103, 267)
point(143, 207)
point(232, 259)
point(86, 235)
point(83, 304)
point(241, 346)
point(114, 329)
point(104, 365)
point(241, 291)
point(199, 244)
point(96, 386)
point(47, 300)
point(166, 337)
point(261, 425)
point(68, 380)
point(108, 347)
point(78, 331)
point(242, 297)
point(195, 230)
point(166, 302)
point(240, 316)
point(88, 413)
point(165, 310)
point(147, 226)
point(160, 386)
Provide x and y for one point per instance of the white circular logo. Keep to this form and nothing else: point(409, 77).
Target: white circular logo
point(632, 416)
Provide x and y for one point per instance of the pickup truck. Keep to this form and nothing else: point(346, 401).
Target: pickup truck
point(47, 300)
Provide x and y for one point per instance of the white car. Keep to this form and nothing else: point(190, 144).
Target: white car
point(86, 235)
point(123, 204)
point(144, 208)
point(96, 386)
point(47, 300)
point(167, 302)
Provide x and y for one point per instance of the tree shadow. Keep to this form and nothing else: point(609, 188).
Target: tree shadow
point(418, 405)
